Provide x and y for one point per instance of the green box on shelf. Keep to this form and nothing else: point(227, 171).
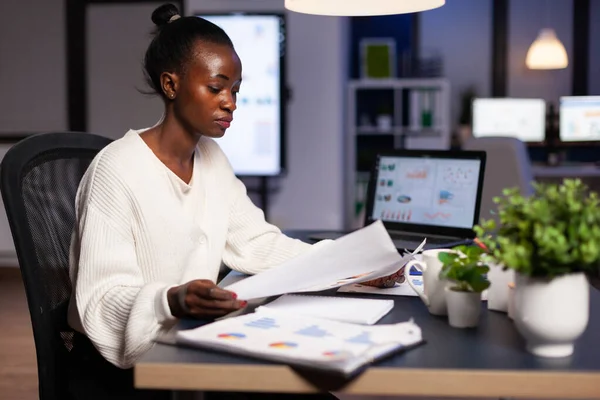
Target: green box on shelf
point(378, 58)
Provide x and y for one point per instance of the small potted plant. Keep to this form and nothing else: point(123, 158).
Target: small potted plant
point(552, 241)
point(466, 273)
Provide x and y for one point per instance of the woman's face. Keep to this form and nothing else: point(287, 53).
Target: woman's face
point(206, 96)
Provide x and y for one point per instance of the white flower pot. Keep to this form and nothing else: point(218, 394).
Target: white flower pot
point(551, 314)
point(464, 308)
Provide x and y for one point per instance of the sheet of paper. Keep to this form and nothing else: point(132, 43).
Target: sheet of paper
point(303, 341)
point(400, 289)
point(359, 256)
point(334, 308)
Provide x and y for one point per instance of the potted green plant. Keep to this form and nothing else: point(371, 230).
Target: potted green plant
point(552, 241)
point(466, 272)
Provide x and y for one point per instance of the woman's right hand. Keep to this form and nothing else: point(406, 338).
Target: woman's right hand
point(202, 299)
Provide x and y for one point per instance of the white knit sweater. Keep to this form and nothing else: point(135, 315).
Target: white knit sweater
point(133, 241)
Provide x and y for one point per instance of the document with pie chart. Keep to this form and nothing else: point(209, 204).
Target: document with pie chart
point(303, 341)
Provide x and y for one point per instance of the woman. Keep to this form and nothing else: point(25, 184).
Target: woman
point(160, 209)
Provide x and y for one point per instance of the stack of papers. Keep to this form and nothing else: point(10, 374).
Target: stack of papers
point(303, 341)
point(360, 256)
point(328, 333)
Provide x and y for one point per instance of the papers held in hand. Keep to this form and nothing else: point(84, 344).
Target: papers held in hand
point(365, 254)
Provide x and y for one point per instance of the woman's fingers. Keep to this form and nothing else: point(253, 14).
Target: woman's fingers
point(205, 299)
point(207, 289)
point(213, 304)
point(387, 281)
point(203, 313)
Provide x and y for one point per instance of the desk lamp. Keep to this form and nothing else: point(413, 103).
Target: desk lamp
point(354, 8)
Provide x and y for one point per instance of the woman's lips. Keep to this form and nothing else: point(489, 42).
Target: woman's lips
point(224, 123)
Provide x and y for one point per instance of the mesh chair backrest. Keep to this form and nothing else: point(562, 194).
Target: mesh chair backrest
point(39, 180)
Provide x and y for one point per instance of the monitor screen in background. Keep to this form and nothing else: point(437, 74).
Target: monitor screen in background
point(524, 119)
point(426, 191)
point(253, 143)
point(579, 118)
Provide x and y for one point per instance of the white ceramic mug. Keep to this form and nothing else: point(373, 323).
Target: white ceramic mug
point(498, 292)
point(433, 293)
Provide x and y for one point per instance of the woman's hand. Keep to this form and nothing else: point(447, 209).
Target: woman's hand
point(387, 281)
point(202, 299)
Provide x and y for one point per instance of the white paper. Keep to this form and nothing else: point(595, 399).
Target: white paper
point(334, 308)
point(362, 255)
point(302, 340)
point(399, 289)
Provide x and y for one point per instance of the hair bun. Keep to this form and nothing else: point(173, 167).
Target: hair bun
point(163, 14)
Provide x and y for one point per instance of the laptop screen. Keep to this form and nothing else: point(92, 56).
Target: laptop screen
point(428, 189)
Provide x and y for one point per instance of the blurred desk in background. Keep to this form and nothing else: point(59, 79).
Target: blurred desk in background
point(588, 173)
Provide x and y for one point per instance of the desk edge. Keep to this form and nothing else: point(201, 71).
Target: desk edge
point(375, 381)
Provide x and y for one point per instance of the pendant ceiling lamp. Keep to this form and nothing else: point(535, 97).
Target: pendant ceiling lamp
point(547, 52)
point(350, 8)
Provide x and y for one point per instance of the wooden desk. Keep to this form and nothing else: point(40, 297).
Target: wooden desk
point(489, 361)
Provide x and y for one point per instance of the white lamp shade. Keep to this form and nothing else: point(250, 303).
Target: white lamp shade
point(361, 7)
point(547, 52)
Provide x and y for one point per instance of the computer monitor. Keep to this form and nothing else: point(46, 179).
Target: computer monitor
point(255, 143)
point(524, 119)
point(579, 118)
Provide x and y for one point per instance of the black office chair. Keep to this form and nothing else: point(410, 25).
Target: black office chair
point(39, 177)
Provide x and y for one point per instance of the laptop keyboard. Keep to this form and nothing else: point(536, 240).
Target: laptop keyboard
point(412, 238)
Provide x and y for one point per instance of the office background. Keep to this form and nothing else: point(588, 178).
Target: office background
point(321, 59)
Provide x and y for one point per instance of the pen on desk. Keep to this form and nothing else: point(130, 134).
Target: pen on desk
point(480, 244)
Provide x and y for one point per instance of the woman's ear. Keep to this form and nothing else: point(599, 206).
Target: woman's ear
point(169, 83)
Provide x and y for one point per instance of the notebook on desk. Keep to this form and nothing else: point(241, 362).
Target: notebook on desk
point(362, 311)
point(424, 193)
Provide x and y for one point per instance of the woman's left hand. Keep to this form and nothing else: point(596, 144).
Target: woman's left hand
point(387, 281)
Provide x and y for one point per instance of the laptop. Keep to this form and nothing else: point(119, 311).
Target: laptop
point(417, 194)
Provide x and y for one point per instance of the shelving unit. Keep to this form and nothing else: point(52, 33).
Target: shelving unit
point(420, 119)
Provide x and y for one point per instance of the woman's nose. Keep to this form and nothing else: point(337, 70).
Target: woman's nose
point(229, 104)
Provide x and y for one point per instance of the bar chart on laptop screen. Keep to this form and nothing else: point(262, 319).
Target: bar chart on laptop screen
point(429, 191)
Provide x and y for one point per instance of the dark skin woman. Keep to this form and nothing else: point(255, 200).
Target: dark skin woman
point(200, 100)
point(193, 66)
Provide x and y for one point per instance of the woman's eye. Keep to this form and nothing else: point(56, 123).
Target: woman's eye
point(214, 89)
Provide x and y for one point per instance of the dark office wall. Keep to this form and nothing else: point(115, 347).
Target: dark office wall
point(32, 77)
point(526, 18)
point(397, 27)
point(594, 46)
point(461, 33)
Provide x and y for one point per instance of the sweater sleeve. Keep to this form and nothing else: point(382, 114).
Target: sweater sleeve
point(118, 310)
point(253, 245)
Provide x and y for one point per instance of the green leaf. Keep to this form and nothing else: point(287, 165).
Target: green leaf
point(465, 268)
point(447, 258)
point(553, 232)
